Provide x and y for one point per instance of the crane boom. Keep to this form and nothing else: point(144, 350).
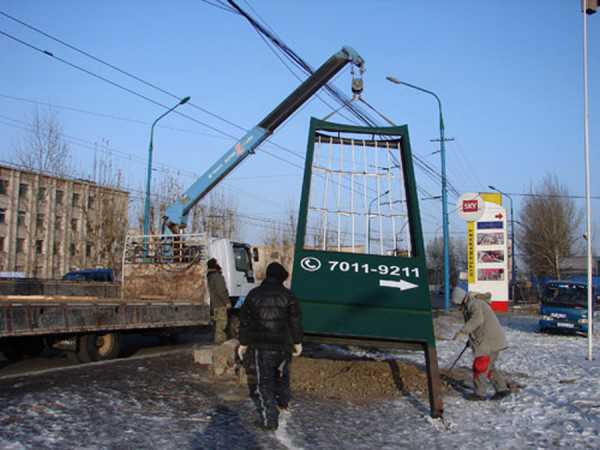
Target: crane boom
point(175, 218)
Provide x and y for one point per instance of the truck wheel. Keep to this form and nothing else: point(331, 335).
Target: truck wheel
point(98, 347)
point(13, 349)
point(33, 346)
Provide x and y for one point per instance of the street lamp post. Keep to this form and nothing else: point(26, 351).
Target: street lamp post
point(589, 7)
point(149, 174)
point(513, 275)
point(444, 189)
point(369, 220)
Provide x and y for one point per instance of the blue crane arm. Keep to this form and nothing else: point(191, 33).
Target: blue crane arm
point(175, 218)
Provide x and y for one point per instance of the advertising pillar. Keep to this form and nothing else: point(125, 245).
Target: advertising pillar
point(487, 246)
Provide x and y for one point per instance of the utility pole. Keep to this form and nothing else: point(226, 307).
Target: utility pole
point(589, 7)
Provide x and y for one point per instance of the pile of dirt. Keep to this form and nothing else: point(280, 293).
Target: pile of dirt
point(358, 380)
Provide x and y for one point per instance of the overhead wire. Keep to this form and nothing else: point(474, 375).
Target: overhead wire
point(154, 86)
point(302, 65)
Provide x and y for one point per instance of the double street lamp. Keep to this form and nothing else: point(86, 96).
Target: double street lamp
point(183, 101)
point(444, 188)
point(513, 276)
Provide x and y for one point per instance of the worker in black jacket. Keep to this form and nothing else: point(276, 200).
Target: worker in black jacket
point(270, 333)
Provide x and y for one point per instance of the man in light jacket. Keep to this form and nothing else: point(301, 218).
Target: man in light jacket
point(219, 300)
point(486, 339)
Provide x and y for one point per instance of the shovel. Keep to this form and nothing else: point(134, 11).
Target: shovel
point(459, 356)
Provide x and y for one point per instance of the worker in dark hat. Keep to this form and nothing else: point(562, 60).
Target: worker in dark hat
point(270, 334)
point(486, 339)
point(219, 300)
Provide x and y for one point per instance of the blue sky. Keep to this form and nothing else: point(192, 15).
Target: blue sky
point(509, 75)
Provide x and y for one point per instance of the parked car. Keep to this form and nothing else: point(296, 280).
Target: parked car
point(90, 275)
point(564, 307)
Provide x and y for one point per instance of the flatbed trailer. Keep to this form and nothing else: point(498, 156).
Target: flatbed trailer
point(89, 330)
point(88, 319)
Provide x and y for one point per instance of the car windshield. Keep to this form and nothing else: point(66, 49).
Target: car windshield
point(566, 294)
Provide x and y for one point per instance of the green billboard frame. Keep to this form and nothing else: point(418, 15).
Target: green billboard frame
point(376, 298)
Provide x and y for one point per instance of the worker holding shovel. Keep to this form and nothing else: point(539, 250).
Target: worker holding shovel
point(486, 339)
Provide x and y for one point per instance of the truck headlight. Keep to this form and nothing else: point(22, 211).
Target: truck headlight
point(549, 318)
point(582, 321)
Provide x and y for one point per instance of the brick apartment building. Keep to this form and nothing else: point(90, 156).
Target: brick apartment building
point(51, 225)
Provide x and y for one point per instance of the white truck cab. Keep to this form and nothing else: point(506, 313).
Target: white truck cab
point(235, 259)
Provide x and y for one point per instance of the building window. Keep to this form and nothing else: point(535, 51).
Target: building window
point(1, 243)
point(59, 197)
point(91, 202)
point(58, 222)
point(20, 246)
point(3, 187)
point(74, 225)
point(39, 221)
point(88, 249)
point(39, 247)
point(20, 218)
point(75, 200)
point(41, 195)
point(2, 215)
point(56, 248)
point(72, 249)
point(23, 188)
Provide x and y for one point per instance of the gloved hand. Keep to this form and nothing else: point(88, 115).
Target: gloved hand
point(297, 350)
point(241, 351)
point(458, 335)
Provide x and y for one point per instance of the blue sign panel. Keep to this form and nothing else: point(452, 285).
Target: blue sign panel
point(488, 225)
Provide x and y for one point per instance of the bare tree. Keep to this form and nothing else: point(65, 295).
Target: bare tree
point(278, 244)
point(216, 215)
point(435, 259)
point(550, 227)
point(105, 216)
point(44, 149)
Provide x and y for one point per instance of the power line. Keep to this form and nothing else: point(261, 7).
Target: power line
point(113, 83)
point(424, 166)
point(140, 79)
point(420, 163)
point(518, 194)
point(124, 72)
point(79, 142)
point(105, 115)
point(296, 59)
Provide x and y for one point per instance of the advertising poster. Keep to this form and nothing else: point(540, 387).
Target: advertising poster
point(490, 256)
point(494, 238)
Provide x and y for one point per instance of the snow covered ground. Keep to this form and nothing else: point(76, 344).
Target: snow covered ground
point(167, 403)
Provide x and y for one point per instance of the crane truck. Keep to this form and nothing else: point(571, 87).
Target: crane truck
point(163, 284)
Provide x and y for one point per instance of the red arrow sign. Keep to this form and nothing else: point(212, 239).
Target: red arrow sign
point(499, 216)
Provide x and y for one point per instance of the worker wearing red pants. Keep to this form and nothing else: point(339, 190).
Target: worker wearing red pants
point(486, 339)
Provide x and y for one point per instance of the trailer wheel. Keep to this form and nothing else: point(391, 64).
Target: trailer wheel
point(98, 347)
point(33, 346)
point(13, 350)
